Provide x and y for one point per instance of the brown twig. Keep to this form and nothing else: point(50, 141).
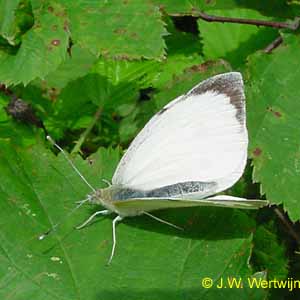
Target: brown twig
point(273, 45)
point(287, 224)
point(209, 18)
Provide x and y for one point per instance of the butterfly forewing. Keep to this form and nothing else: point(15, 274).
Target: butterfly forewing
point(198, 137)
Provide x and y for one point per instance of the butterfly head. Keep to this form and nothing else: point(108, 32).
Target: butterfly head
point(102, 197)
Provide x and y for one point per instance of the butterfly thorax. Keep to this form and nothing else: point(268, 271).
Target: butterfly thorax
point(108, 197)
point(102, 197)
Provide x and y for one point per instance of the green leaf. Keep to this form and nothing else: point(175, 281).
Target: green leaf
point(76, 65)
point(83, 97)
point(114, 28)
point(179, 58)
point(152, 73)
point(273, 92)
point(112, 84)
point(42, 50)
point(7, 19)
point(71, 106)
point(234, 42)
point(39, 190)
point(269, 253)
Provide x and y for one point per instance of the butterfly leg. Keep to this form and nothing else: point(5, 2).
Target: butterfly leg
point(107, 182)
point(82, 201)
point(162, 221)
point(115, 220)
point(100, 212)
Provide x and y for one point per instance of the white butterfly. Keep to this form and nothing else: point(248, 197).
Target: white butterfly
point(193, 148)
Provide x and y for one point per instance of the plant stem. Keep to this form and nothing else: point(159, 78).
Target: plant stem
point(287, 224)
point(273, 45)
point(209, 18)
point(87, 131)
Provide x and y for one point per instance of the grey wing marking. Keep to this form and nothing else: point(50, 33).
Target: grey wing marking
point(179, 190)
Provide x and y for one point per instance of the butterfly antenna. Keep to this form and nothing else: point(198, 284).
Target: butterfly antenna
point(49, 138)
point(45, 234)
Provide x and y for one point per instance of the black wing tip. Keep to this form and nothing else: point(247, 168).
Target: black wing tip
point(222, 83)
point(230, 84)
point(230, 78)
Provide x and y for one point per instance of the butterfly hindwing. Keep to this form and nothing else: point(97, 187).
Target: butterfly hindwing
point(149, 204)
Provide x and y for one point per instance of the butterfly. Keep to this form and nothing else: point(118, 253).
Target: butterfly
point(189, 151)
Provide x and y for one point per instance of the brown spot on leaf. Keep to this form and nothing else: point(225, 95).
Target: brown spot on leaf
point(66, 26)
point(161, 7)
point(195, 68)
point(190, 222)
point(91, 10)
point(54, 27)
point(50, 9)
point(125, 2)
point(83, 23)
point(277, 114)
point(203, 67)
point(274, 112)
point(13, 200)
point(51, 93)
point(241, 253)
point(150, 12)
point(194, 10)
point(105, 53)
point(61, 13)
point(122, 57)
point(134, 35)
point(257, 152)
point(55, 42)
point(120, 31)
point(37, 25)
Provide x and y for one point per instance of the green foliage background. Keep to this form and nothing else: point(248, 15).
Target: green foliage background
point(95, 72)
